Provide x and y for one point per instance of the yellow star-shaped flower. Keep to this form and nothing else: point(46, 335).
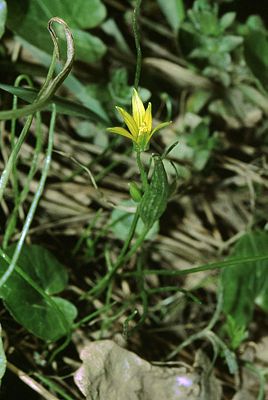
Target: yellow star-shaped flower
point(139, 123)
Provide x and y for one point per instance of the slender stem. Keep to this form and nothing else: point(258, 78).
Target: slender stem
point(31, 109)
point(129, 238)
point(35, 201)
point(205, 267)
point(50, 72)
point(261, 376)
point(20, 198)
point(13, 133)
point(218, 310)
point(204, 332)
point(143, 174)
point(105, 318)
point(136, 31)
point(93, 315)
point(32, 383)
point(124, 257)
point(13, 156)
point(126, 322)
point(136, 245)
point(121, 258)
point(143, 295)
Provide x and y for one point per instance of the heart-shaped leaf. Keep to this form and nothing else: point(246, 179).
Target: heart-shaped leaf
point(29, 20)
point(26, 294)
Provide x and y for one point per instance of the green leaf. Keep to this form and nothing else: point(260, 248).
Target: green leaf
point(254, 96)
point(3, 361)
point(30, 22)
point(236, 333)
point(135, 192)
point(3, 16)
point(83, 14)
point(201, 158)
point(26, 294)
point(88, 47)
point(229, 42)
point(110, 28)
point(205, 20)
point(155, 198)
point(199, 135)
point(174, 12)
point(121, 220)
point(243, 284)
point(255, 22)
point(79, 90)
point(197, 100)
point(64, 106)
point(67, 308)
point(42, 266)
point(262, 298)
point(227, 20)
point(95, 132)
point(256, 55)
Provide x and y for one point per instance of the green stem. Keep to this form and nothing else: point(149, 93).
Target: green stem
point(136, 31)
point(143, 174)
point(134, 248)
point(261, 376)
point(93, 315)
point(143, 294)
point(204, 332)
point(35, 201)
point(20, 197)
point(13, 156)
point(13, 133)
point(129, 238)
point(126, 322)
point(205, 267)
point(121, 258)
point(124, 257)
point(165, 289)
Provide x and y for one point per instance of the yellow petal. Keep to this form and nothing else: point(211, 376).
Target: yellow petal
point(120, 131)
point(131, 124)
point(148, 118)
point(138, 109)
point(160, 126)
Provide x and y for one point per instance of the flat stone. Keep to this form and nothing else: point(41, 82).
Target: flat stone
point(109, 372)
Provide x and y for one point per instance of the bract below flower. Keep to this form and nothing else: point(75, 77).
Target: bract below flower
point(139, 124)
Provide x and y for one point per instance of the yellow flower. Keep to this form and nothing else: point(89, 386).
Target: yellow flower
point(139, 123)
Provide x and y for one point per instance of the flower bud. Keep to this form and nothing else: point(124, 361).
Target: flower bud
point(135, 192)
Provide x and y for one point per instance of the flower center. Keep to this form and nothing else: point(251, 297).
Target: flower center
point(143, 129)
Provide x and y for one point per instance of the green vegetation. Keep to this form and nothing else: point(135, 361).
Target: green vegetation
point(133, 159)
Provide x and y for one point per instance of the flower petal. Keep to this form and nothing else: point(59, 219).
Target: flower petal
point(148, 118)
point(160, 126)
point(138, 109)
point(131, 124)
point(120, 131)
